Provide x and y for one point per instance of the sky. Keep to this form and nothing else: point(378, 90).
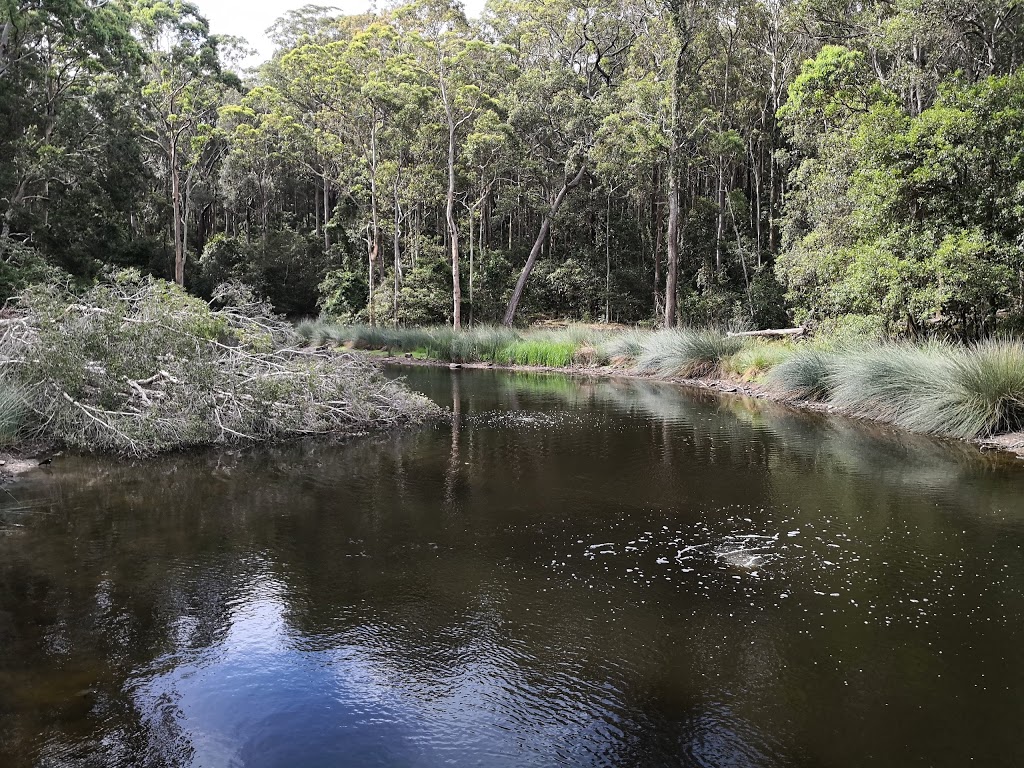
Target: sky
point(250, 18)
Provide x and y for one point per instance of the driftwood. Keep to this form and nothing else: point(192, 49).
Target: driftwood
point(795, 332)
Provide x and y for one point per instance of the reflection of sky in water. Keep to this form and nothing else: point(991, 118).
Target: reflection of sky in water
point(583, 573)
point(259, 698)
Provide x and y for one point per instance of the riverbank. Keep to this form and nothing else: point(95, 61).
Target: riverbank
point(969, 392)
point(1009, 442)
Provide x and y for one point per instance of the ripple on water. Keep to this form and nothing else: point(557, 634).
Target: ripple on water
point(819, 565)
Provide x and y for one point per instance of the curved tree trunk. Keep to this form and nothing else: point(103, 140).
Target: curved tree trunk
point(453, 230)
point(538, 244)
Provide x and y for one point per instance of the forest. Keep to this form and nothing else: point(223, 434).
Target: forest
point(839, 164)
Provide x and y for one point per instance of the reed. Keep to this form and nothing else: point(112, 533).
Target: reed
point(546, 352)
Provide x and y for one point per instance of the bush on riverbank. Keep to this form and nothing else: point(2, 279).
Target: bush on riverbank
point(804, 375)
point(940, 389)
point(136, 366)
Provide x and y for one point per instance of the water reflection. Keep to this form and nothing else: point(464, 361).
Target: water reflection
point(571, 572)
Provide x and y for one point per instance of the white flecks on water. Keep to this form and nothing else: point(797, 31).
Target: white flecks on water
point(727, 556)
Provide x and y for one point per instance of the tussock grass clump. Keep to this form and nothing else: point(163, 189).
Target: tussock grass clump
point(686, 352)
point(136, 366)
point(988, 383)
point(804, 375)
point(890, 382)
point(627, 345)
point(938, 389)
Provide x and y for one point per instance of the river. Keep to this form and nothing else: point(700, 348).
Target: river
point(577, 572)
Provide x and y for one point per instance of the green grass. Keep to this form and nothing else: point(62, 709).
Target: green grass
point(804, 375)
point(757, 357)
point(686, 352)
point(550, 353)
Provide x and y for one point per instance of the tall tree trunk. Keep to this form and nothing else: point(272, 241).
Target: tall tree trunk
point(608, 256)
point(327, 212)
point(453, 229)
point(672, 239)
point(657, 216)
point(5, 43)
point(677, 11)
point(374, 218)
point(398, 250)
point(179, 235)
point(538, 244)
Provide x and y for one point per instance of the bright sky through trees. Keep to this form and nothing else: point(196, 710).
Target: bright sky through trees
point(250, 18)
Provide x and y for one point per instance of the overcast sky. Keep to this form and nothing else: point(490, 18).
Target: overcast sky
point(250, 18)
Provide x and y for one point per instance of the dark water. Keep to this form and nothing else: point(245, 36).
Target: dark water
point(588, 573)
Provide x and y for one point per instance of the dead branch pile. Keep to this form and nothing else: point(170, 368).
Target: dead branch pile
point(135, 366)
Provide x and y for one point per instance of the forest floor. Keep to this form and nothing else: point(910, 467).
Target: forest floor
point(1011, 442)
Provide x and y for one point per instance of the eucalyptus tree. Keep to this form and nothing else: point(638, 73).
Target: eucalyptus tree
point(466, 75)
point(183, 87)
point(63, 70)
point(571, 55)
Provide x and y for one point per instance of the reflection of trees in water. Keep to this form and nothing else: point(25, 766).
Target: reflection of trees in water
point(424, 549)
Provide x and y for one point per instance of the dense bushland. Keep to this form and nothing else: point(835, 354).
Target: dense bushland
point(700, 162)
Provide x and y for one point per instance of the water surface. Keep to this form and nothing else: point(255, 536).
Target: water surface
point(571, 572)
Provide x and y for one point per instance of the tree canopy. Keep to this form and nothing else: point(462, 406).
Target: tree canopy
point(745, 162)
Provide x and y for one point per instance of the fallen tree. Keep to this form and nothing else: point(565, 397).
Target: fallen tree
point(791, 332)
point(135, 366)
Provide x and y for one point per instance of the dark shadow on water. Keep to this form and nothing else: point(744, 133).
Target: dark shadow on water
point(568, 572)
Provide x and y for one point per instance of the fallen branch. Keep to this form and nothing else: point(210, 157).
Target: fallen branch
point(795, 332)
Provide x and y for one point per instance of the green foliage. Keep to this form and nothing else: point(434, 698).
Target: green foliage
point(686, 352)
point(757, 357)
point(805, 375)
point(914, 219)
point(22, 266)
point(343, 294)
